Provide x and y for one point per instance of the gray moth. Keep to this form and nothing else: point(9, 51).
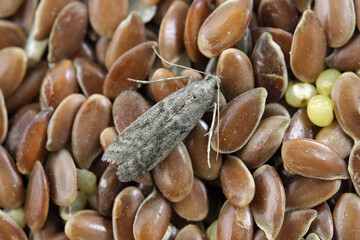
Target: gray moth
point(149, 139)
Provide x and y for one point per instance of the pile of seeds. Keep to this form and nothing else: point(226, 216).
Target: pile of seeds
point(285, 152)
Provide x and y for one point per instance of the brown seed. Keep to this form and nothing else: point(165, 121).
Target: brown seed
point(354, 166)
point(126, 204)
point(37, 198)
point(135, 63)
point(312, 236)
point(244, 110)
point(195, 206)
point(190, 231)
point(152, 217)
point(174, 175)
point(310, 158)
point(162, 90)
point(260, 235)
point(323, 223)
point(236, 71)
point(25, 15)
point(334, 137)
point(268, 206)
point(296, 224)
point(91, 119)
point(100, 49)
point(68, 31)
point(150, 2)
point(162, 8)
point(108, 188)
point(235, 223)
point(346, 58)
point(3, 118)
point(275, 109)
point(29, 88)
point(199, 10)
point(300, 192)
point(300, 126)
point(245, 44)
point(278, 13)
point(107, 136)
point(32, 145)
point(302, 5)
point(224, 27)
point(237, 182)
point(264, 142)
point(59, 236)
point(339, 23)
point(171, 32)
point(12, 70)
point(88, 224)
point(11, 183)
point(45, 16)
point(308, 49)
point(8, 8)
point(61, 122)
point(346, 99)
point(129, 33)
point(10, 229)
point(61, 172)
point(269, 67)
point(52, 226)
point(347, 227)
point(196, 143)
point(105, 16)
point(127, 107)
point(357, 11)
point(86, 51)
point(11, 35)
point(59, 82)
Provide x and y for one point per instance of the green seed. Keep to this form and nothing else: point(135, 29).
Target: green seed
point(86, 180)
point(298, 94)
point(320, 110)
point(326, 80)
point(211, 231)
point(77, 205)
point(92, 200)
point(18, 215)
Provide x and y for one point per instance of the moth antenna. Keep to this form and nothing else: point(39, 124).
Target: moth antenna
point(159, 80)
point(211, 131)
point(218, 120)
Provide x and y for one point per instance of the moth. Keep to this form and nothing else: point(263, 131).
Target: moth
point(150, 138)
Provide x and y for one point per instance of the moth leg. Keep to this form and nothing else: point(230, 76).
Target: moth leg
point(211, 131)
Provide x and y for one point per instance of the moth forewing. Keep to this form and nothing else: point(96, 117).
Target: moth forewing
point(150, 138)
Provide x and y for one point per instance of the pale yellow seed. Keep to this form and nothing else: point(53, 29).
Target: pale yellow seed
point(298, 94)
point(18, 215)
point(326, 80)
point(320, 110)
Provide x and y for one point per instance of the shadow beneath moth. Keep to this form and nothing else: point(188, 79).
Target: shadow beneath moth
point(150, 138)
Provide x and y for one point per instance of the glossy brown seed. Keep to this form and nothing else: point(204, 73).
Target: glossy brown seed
point(236, 71)
point(346, 99)
point(129, 33)
point(52, 225)
point(334, 137)
point(339, 23)
point(269, 67)
point(37, 198)
point(11, 35)
point(268, 206)
point(296, 224)
point(88, 224)
point(59, 236)
point(244, 110)
point(150, 2)
point(357, 11)
point(59, 82)
point(346, 58)
point(278, 13)
point(275, 109)
point(68, 31)
point(100, 49)
point(32, 145)
point(29, 88)
point(310, 158)
point(107, 136)
point(171, 32)
point(188, 72)
point(161, 90)
point(152, 217)
point(346, 227)
point(3, 118)
point(12, 70)
point(196, 143)
point(195, 206)
point(11, 183)
point(237, 182)
point(85, 50)
point(199, 10)
point(105, 16)
point(135, 63)
point(224, 27)
point(93, 116)
point(61, 172)
point(45, 16)
point(123, 214)
point(354, 166)
point(302, 5)
point(25, 15)
point(127, 107)
point(234, 223)
point(61, 122)
point(190, 231)
point(300, 192)
point(108, 188)
point(300, 126)
point(161, 9)
point(308, 49)
point(10, 229)
point(8, 8)
point(264, 142)
point(323, 223)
